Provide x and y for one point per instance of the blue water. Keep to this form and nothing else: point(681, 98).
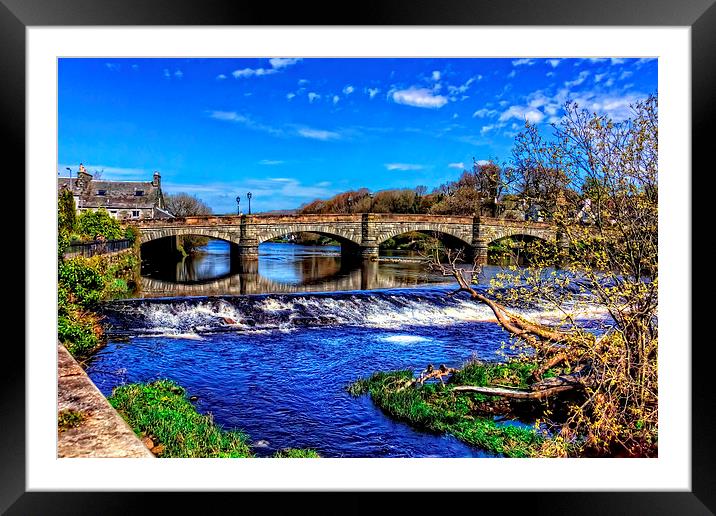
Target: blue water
point(279, 374)
point(275, 364)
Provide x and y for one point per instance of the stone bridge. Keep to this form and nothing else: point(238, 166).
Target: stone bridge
point(359, 234)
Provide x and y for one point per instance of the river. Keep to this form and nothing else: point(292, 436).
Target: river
point(274, 362)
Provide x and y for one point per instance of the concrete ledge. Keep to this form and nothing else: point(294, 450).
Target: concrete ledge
point(103, 432)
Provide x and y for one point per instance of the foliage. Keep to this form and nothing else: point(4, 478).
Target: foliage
point(66, 212)
point(67, 419)
point(293, 453)
point(82, 283)
point(79, 331)
point(161, 410)
point(612, 267)
point(92, 223)
point(439, 409)
point(83, 280)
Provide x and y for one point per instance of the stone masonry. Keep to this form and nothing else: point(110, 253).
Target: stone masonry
point(359, 234)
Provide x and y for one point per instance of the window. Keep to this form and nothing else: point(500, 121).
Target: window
point(135, 214)
point(101, 192)
point(138, 193)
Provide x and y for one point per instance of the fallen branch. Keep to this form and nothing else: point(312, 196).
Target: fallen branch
point(513, 393)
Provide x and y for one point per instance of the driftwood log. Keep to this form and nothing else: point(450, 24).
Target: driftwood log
point(581, 376)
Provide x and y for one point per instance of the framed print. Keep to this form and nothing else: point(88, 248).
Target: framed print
point(306, 144)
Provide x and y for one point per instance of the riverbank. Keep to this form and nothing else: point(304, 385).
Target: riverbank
point(476, 419)
point(88, 426)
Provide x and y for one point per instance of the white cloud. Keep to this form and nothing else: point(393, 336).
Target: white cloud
point(348, 89)
point(484, 112)
point(459, 166)
point(271, 162)
point(549, 74)
point(283, 62)
point(522, 113)
point(483, 162)
point(487, 128)
point(419, 97)
point(403, 166)
point(336, 98)
point(166, 73)
point(436, 75)
point(251, 72)
point(277, 64)
point(372, 92)
point(579, 80)
point(618, 60)
point(463, 87)
point(289, 96)
point(318, 134)
point(303, 82)
point(135, 67)
point(229, 116)
point(178, 74)
point(220, 77)
point(268, 193)
point(520, 62)
point(554, 63)
point(113, 67)
point(599, 76)
point(313, 96)
point(625, 74)
point(511, 74)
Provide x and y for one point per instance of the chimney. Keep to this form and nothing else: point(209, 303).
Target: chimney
point(83, 178)
point(157, 181)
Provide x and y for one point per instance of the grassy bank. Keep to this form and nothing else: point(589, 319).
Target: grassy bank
point(161, 411)
point(465, 415)
point(81, 284)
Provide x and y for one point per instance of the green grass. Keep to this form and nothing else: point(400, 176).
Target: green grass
point(161, 410)
point(67, 419)
point(293, 453)
point(439, 409)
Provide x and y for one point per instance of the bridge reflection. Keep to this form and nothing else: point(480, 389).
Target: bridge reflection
point(282, 268)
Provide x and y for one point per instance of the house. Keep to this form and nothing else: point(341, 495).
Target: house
point(122, 199)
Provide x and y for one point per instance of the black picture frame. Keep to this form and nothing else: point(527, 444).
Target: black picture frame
point(17, 15)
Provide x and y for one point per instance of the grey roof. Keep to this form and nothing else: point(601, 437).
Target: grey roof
point(117, 194)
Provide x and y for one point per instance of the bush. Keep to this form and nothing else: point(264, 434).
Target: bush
point(79, 332)
point(99, 222)
point(82, 282)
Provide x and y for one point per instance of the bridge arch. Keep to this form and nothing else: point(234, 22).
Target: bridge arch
point(342, 236)
point(460, 234)
point(149, 235)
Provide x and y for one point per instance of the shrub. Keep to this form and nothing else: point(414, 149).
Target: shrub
point(99, 222)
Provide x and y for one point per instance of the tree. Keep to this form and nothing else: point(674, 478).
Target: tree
point(185, 205)
point(612, 268)
point(66, 219)
point(93, 223)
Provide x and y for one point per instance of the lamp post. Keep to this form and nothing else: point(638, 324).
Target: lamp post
point(68, 168)
point(238, 203)
point(371, 201)
point(350, 204)
point(248, 195)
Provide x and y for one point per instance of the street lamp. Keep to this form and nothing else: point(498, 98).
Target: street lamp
point(248, 195)
point(350, 203)
point(371, 201)
point(238, 202)
point(68, 168)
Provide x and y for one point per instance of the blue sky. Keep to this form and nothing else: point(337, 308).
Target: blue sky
point(292, 130)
